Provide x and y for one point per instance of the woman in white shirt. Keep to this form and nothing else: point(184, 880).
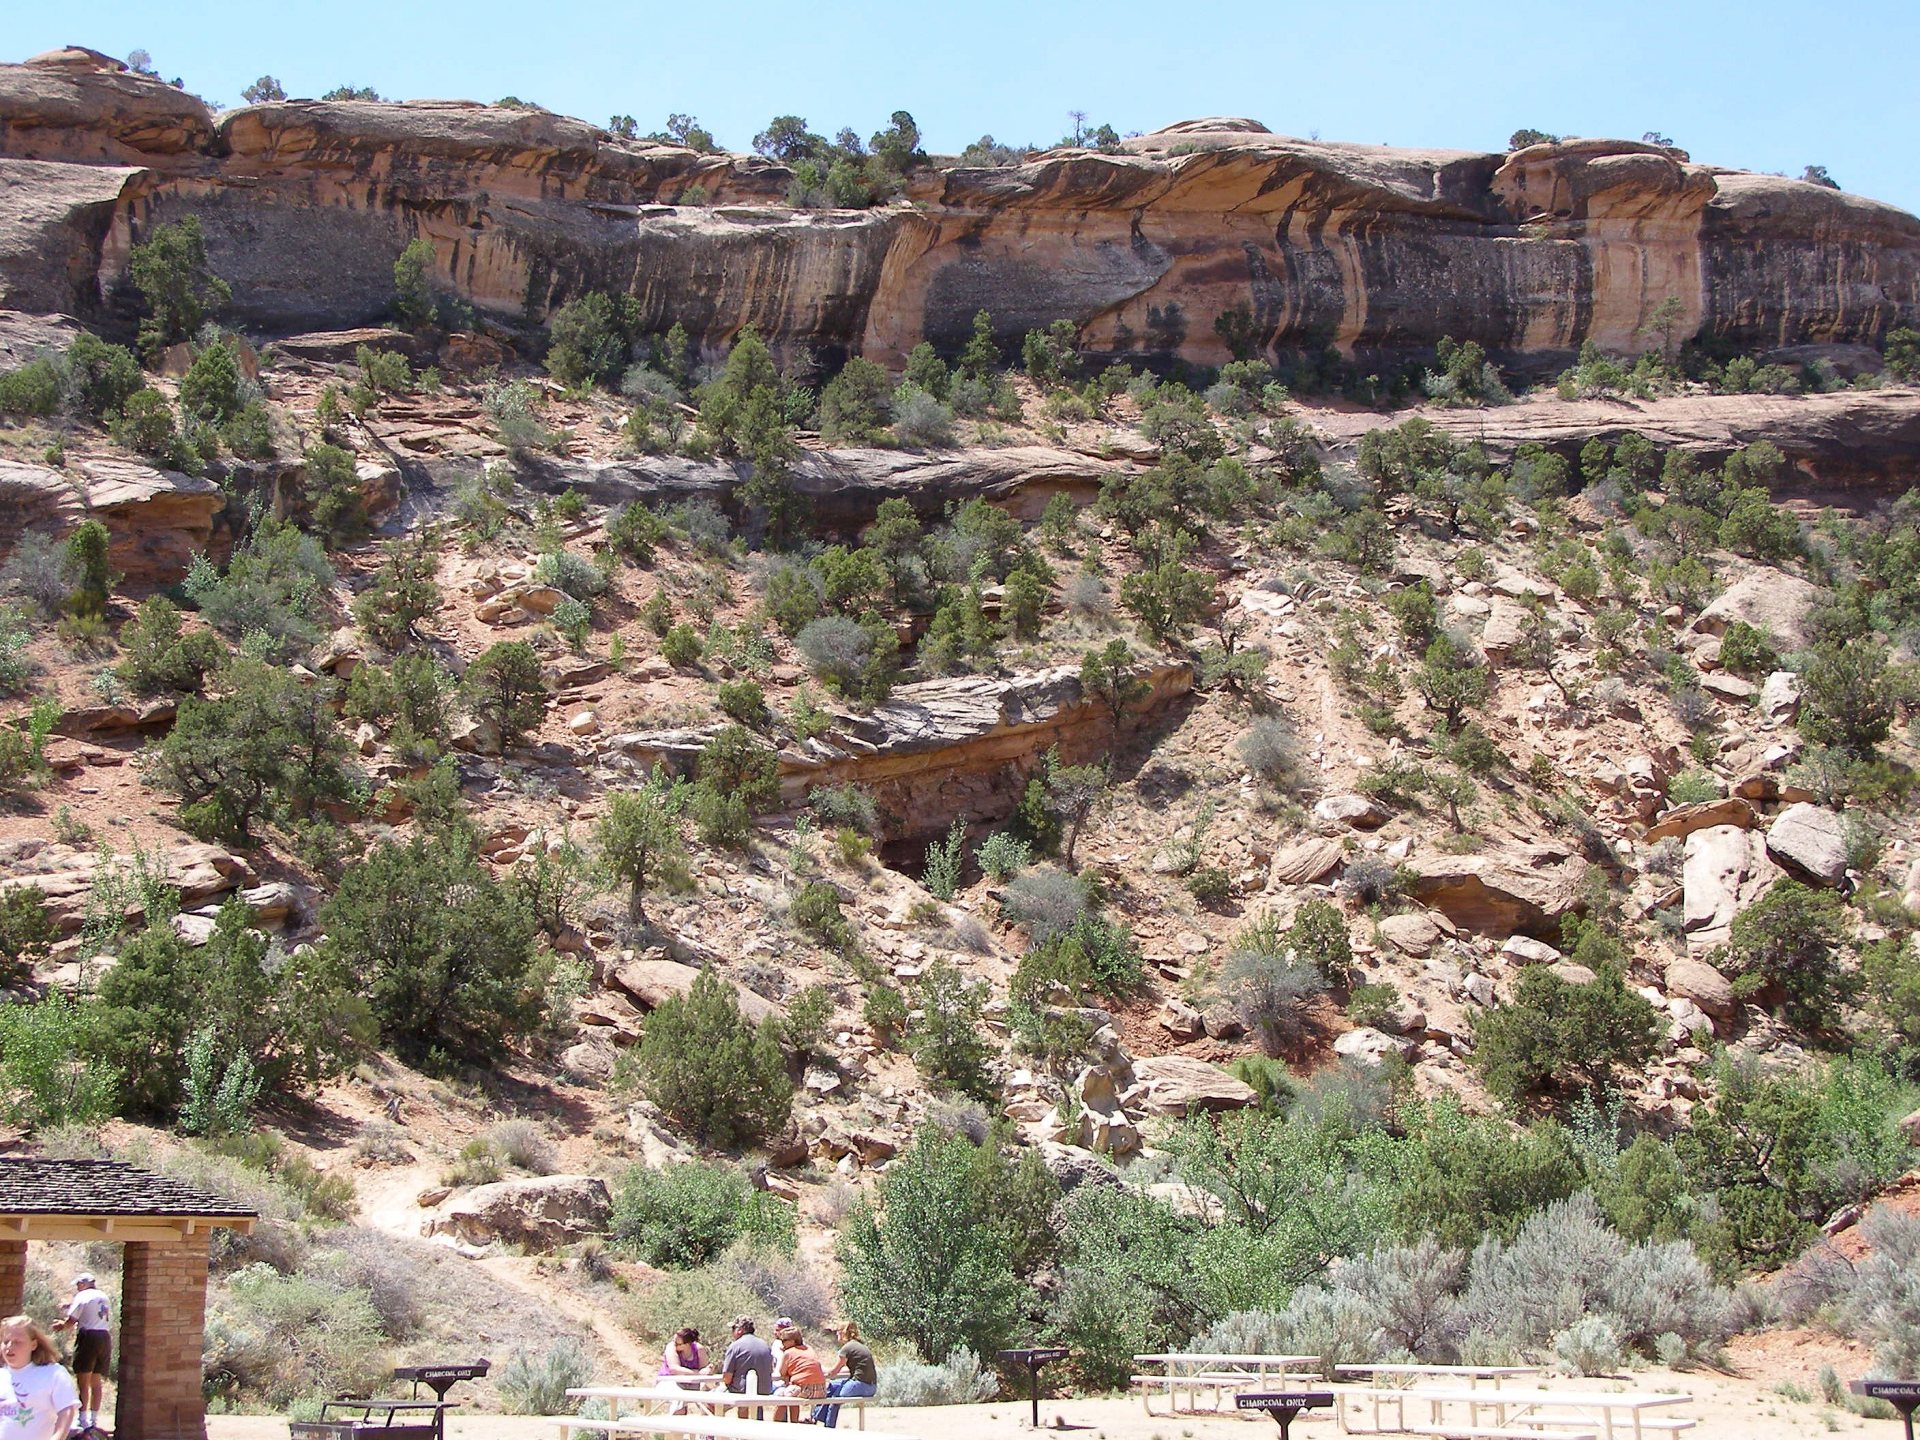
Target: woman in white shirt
point(38, 1400)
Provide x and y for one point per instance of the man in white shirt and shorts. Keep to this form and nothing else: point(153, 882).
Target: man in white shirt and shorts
point(89, 1315)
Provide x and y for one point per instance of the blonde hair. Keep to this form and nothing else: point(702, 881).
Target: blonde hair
point(791, 1336)
point(43, 1351)
point(848, 1330)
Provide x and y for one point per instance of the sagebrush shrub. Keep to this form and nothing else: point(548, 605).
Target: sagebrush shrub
point(1589, 1346)
point(958, 1380)
point(1883, 1304)
point(538, 1385)
point(1045, 901)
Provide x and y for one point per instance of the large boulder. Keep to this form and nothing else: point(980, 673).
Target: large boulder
point(1370, 1047)
point(1351, 809)
point(651, 981)
point(1411, 933)
point(1304, 862)
point(1811, 842)
point(1683, 820)
point(540, 1213)
point(1527, 889)
point(1724, 870)
point(159, 519)
point(1705, 986)
point(1780, 696)
point(1769, 599)
point(34, 497)
point(65, 875)
point(1181, 1085)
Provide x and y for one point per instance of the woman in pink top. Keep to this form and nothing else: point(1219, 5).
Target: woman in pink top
point(683, 1356)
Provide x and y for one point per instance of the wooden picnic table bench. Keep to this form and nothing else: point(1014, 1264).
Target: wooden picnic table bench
point(1607, 1415)
point(658, 1399)
point(1414, 1374)
point(1224, 1375)
point(720, 1427)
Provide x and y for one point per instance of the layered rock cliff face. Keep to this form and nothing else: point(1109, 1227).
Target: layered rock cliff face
point(1373, 250)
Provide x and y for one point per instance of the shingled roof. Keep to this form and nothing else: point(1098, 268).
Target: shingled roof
point(103, 1187)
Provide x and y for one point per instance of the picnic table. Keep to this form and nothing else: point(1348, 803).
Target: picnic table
point(1474, 1414)
point(1414, 1374)
point(681, 1391)
point(713, 1427)
point(1223, 1375)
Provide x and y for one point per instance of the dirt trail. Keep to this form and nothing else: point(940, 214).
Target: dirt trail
point(389, 1202)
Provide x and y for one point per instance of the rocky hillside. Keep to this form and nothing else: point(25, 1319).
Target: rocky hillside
point(1381, 252)
point(584, 795)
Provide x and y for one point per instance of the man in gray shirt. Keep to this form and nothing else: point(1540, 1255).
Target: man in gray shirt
point(747, 1355)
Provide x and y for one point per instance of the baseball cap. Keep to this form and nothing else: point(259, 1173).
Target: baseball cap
point(85, 1277)
point(783, 1323)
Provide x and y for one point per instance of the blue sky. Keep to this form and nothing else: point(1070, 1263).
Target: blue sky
point(1762, 85)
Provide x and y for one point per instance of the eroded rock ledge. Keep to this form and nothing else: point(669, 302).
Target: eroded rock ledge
point(938, 749)
point(306, 203)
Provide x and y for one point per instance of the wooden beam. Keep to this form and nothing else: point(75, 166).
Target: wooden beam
point(123, 1228)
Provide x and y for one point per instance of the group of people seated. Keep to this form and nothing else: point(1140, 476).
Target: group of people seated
point(796, 1371)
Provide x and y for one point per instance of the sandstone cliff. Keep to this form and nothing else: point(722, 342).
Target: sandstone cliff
point(1373, 250)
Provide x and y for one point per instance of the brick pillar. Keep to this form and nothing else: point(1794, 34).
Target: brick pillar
point(163, 1311)
point(13, 1276)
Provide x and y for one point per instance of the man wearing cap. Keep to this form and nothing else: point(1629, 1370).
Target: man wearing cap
point(89, 1314)
point(748, 1356)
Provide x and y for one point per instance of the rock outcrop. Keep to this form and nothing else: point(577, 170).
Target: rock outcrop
point(541, 1213)
point(1526, 889)
point(305, 204)
point(938, 748)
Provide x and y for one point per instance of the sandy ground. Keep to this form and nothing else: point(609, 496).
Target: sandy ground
point(1727, 1408)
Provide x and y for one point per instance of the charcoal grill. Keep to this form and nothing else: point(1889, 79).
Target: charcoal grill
point(408, 1419)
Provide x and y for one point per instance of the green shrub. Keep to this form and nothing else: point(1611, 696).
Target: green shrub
point(210, 390)
point(443, 953)
point(712, 1071)
point(160, 656)
point(945, 859)
point(681, 647)
point(179, 290)
point(1692, 787)
point(946, 1041)
point(856, 404)
point(276, 1339)
point(1558, 1036)
point(1784, 949)
point(635, 532)
point(706, 1299)
point(845, 805)
point(1318, 936)
point(641, 840)
point(590, 338)
point(572, 574)
point(102, 377)
point(266, 742)
point(386, 371)
point(27, 931)
point(685, 1216)
point(745, 701)
point(960, 1379)
point(1001, 855)
point(504, 685)
point(87, 563)
point(935, 1263)
point(32, 389)
point(539, 1386)
point(49, 1072)
point(275, 586)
